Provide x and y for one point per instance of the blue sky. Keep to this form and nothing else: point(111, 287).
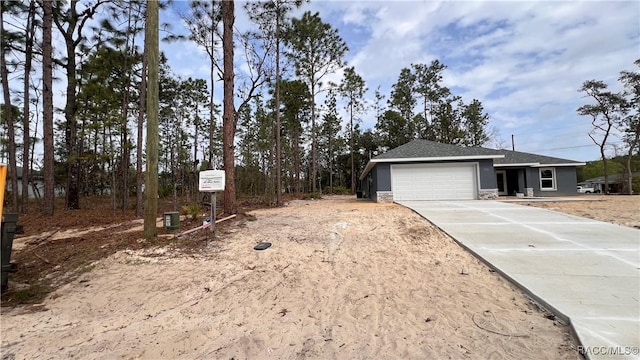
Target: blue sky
point(523, 60)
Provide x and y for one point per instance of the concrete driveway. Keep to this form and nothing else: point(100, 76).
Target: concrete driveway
point(586, 271)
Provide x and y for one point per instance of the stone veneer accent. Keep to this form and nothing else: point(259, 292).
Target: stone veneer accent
point(528, 192)
point(387, 196)
point(384, 197)
point(491, 194)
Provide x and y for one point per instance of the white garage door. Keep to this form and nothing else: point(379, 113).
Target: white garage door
point(433, 182)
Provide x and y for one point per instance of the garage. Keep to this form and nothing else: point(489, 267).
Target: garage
point(445, 181)
point(428, 170)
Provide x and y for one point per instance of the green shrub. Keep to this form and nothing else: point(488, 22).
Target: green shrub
point(313, 195)
point(191, 210)
point(337, 190)
point(165, 191)
point(32, 294)
point(636, 184)
point(268, 198)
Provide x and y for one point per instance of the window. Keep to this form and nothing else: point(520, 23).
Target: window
point(548, 179)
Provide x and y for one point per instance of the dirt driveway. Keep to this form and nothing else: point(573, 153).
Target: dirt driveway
point(343, 279)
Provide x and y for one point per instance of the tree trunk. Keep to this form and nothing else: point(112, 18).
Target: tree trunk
point(141, 113)
point(124, 160)
point(81, 150)
point(72, 200)
point(605, 169)
point(33, 145)
point(194, 184)
point(212, 118)
point(314, 155)
point(277, 109)
point(330, 162)
point(112, 167)
point(26, 171)
point(152, 49)
point(72, 191)
point(632, 145)
point(605, 165)
point(228, 119)
point(297, 161)
point(124, 163)
point(629, 172)
point(353, 166)
point(176, 159)
point(8, 113)
point(47, 111)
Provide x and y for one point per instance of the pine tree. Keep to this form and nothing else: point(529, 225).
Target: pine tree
point(270, 17)
point(353, 89)
point(316, 51)
point(47, 108)
point(151, 180)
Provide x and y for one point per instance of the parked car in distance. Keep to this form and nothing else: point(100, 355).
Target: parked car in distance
point(585, 190)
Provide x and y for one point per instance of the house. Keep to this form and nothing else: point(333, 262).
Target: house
point(36, 183)
point(428, 170)
point(617, 182)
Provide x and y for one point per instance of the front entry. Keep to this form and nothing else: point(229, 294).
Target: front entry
point(501, 180)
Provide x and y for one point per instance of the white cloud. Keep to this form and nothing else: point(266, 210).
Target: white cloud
point(524, 60)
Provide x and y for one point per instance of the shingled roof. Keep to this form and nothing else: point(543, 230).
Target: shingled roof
point(522, 158)
point(426, 149)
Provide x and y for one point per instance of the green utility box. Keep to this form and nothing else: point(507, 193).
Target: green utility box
point(172, 220)
point(9, 222)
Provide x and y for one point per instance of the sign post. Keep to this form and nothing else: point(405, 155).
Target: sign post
point(212, 181)
point(213, 211)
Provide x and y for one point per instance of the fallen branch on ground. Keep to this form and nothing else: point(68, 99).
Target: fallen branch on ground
point(41, 258)
point(39, 241)
point(225, 218)
point(473, 318)
point(201, 226)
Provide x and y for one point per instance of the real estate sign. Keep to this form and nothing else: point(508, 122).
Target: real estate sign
point(211, 180)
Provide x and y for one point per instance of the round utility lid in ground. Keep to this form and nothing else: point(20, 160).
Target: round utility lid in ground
point(262, 246)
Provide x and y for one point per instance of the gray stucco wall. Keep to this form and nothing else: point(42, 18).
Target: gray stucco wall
point(566, 181)
point(533, 180)
point(521, 181)
point(487, 174)
point(382, 176)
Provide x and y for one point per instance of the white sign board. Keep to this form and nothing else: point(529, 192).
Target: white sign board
point(211, 180)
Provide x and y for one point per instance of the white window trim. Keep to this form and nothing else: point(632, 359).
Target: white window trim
point(554, 179)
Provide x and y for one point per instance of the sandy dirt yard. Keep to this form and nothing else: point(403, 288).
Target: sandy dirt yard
point(618, 209)
point(344, 279)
